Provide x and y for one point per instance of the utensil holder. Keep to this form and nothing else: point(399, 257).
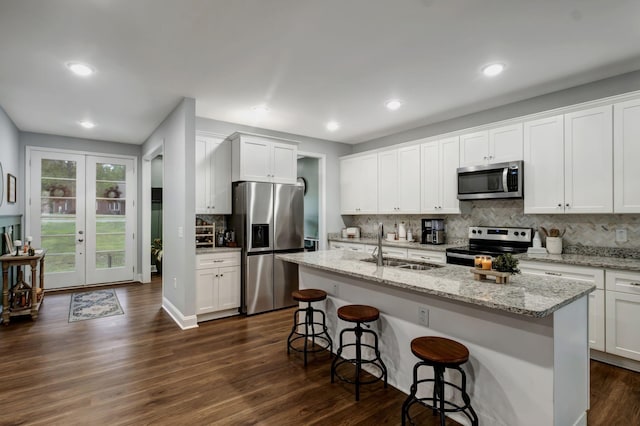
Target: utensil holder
point(554, 245)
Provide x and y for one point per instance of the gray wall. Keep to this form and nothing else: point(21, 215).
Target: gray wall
point(10, 159)
point(332, 150)
point(176, 134)
point(587, 92)
point(308, 169)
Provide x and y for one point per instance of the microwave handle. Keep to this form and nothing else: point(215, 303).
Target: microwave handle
point(505, 184)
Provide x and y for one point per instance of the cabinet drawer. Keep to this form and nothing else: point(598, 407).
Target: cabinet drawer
point(388, 251)
point(581, 273)
point(622, 281)
point(216, 260)
point(427, 256)
point(346, 246)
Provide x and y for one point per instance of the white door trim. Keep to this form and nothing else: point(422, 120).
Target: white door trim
point(145, 205)
point(29, 149)
point(322, 192)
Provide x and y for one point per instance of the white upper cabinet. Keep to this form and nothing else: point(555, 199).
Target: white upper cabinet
point(399, 180)
point(544, 165)
point(359, 184)
point(438, 176)
point(505, 143)
point(491, 146)
point(474, 148)
point(626, 153)
point(262, 159)
point(213, 175)
point(588, 159)
point(569, 163)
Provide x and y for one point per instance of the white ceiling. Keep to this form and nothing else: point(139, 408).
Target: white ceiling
point(311, 61)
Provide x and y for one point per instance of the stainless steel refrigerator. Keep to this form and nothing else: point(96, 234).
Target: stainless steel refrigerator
point(268, 219)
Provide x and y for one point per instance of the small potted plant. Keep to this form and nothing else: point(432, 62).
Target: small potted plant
point(506, 263)
point(156, 254)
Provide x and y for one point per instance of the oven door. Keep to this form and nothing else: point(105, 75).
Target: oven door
point(460, 258)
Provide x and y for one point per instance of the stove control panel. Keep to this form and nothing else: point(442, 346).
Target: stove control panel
point(500, 234)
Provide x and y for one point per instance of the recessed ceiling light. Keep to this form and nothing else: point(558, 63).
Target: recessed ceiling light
point(393, 104)
point(78, 68)
point(493, 69)
point(332, 126)
point(260, 109)
point(87, 124)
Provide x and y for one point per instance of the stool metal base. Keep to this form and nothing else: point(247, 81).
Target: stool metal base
point(309, 333)
point(358, 361)
point(436, 402)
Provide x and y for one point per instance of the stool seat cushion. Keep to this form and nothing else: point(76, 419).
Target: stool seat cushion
point(439, 350)
point(358, 313)
point(309, 295)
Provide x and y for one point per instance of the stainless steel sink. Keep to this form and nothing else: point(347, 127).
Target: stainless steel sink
point(405, 264)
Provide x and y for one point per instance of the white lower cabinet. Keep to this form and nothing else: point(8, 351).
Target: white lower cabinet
point(597, 320)
point(596, 298)
point(430, 256)
point(338, 245)
point(623, 313)
point(217, 284)
point(396, 252)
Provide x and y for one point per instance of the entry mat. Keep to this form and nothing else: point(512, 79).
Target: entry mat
point(94, 304)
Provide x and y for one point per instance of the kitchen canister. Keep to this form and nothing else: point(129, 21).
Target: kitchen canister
point(402, 232)
point(554, 245)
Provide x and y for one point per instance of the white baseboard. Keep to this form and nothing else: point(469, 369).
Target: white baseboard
point(618, 361)
point(582, 421)
point(183, 322)
point(216, 315)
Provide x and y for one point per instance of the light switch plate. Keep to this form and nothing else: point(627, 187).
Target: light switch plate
point(621, 235)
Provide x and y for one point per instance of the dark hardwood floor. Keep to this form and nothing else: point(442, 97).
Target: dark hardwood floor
point(140, 368)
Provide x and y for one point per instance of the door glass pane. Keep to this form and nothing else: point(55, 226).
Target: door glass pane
point(58, 213)
point(111, 191)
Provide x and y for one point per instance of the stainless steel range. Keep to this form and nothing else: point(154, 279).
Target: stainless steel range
point(491, 241)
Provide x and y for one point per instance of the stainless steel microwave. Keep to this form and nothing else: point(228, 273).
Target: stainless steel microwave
point(500, 180)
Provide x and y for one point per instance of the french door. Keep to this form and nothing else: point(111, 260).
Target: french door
point(82, 212)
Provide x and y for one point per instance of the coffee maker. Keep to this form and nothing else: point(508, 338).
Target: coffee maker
point(433, 231)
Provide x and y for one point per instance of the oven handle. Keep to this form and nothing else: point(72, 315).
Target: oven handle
point(461, 256)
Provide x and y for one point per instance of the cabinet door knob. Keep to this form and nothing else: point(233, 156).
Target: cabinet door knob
point(559, 204)
point(567, 205)
point(222, 275)
point(635, 284)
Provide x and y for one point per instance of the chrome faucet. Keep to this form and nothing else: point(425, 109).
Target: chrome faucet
point(377, 252)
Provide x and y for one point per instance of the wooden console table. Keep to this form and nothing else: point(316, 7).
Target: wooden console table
point(22, 298)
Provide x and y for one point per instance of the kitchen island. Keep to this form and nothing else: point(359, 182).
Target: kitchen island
point(529, 354)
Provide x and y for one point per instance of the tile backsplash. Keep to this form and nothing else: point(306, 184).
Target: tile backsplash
point(581, 229)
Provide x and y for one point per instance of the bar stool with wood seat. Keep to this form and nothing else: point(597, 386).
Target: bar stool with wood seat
point(312, 329)
point(439, 353)
point(359, 314)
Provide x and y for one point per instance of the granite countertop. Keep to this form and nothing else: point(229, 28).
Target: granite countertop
point(207, 250)
point(527, 295)
point(626, 264)
point(401, 244)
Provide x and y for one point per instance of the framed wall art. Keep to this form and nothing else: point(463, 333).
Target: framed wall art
point(11, 188)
